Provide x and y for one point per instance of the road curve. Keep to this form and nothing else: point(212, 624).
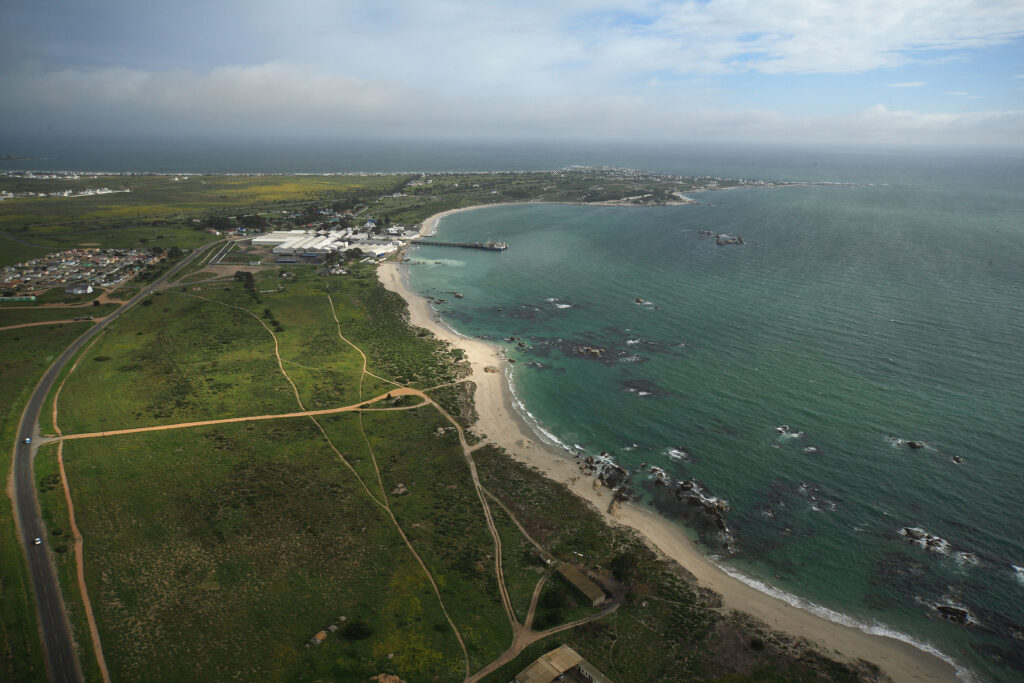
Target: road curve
point(61, 658)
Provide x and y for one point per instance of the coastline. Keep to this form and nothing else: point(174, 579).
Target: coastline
point(500, 423)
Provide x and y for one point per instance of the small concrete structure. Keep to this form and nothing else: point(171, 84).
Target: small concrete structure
point(78, 288)
point(561, 664)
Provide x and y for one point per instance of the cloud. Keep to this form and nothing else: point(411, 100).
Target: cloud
point(282, 101)
point(958, 93)
point(879, 123)
point(466, 42)
point(576, 68)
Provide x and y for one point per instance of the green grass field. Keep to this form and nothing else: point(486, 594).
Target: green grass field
point(12, 252)
point(19, 316)
point(208, 546)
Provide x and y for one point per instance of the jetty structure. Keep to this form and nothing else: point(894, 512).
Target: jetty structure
point(488, 246)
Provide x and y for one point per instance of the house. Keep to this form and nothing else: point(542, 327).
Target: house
point(78, 288)
point(561, 664)
point(593, 593)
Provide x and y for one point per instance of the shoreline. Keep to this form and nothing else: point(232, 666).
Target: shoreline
point(502, 424)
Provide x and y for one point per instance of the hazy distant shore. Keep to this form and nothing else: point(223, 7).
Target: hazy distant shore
point(502, 424)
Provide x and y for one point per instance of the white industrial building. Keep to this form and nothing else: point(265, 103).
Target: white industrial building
point(303, 241)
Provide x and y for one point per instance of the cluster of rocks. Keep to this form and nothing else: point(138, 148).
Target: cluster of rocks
point(695, 496)
point(584, 350)
point(702, 509)
point(926, 540)
point(955, 614)
point(320, 636)
point(916, 445)
point(721, 239)
point(607, 473)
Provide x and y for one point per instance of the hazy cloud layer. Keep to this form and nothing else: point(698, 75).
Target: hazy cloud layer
point(724, 69)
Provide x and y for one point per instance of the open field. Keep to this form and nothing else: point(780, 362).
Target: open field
point(176, 360)
point(208, 354)
point(443, 519)
point(12, 252)
point(209, 546)
point(158, 210)
point(27, 353)
point(19, 316)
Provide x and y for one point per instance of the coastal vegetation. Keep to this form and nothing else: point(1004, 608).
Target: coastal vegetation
point(382, 539)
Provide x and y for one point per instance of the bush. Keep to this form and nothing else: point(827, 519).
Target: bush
point(357, 630)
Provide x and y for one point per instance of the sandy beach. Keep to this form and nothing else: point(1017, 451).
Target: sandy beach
point(501, 424)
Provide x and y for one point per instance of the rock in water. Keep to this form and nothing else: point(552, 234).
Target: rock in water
point(958, 615)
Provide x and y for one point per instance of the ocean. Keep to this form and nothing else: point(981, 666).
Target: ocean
point(784, 377)
point(787, 377)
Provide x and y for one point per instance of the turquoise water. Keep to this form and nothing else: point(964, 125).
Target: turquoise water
point(860, 317)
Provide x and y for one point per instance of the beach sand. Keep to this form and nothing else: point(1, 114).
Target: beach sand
point(500, 423)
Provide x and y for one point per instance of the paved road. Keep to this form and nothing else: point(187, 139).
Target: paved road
point(61, 659)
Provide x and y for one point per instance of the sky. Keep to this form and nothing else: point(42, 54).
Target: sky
point(919, 72)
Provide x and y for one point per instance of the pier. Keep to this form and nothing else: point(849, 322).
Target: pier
point(488, 246)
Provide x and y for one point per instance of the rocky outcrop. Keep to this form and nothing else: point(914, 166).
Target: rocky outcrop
point(926, 540)
point(955, 614)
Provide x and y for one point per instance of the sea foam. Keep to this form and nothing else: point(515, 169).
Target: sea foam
point(875, 629)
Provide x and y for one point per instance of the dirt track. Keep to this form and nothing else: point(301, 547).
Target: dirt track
point(363, 405)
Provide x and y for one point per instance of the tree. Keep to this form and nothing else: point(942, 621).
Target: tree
point(253, 220)
point(174, 253)
point(245, 278)
point(217, 223)
point(311, 213)
point(624, 567)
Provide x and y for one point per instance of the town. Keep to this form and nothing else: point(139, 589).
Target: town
point(77, 270)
